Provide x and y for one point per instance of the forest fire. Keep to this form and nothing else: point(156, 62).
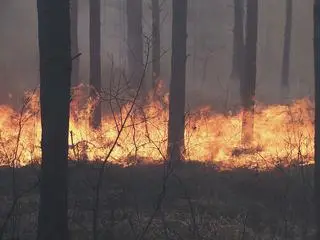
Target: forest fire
point(283, 135)
point(160, 119)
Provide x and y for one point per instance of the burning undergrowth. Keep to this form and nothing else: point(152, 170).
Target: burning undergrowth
point(282, 133)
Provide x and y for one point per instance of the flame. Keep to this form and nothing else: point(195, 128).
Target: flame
point(283, 134)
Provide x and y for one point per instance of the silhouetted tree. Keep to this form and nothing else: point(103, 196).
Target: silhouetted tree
point(238, 40)
point(55, 80)
point(317, 113)
point(155, 42)
point(248, 82)
point(74, 42)
point(134, 41)
point(286, 50)
point(95, 61)
point(178, 81)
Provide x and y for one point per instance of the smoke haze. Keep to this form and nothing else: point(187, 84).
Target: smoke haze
point(210, 48)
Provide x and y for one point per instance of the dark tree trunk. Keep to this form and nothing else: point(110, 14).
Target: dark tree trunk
point(286, 50)
point(95, 61)
point(317, 113)
point(74, 43)
point(134, 42)
point(238, 40)
point(248, 82)
point(55, 80)
point(178, 81)
point(155, 42)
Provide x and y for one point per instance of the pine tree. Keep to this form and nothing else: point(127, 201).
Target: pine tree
point(55, 80)
point(178, 81)
point(95, 62)
point(134, 42)
point(155, 42)
point(317, 113)
point(286, 50)
point(248, 82)
point(74, 43)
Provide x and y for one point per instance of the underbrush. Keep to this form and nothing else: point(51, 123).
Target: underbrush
point(195, 201)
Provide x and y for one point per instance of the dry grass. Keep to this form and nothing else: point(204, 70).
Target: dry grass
point(200, 203)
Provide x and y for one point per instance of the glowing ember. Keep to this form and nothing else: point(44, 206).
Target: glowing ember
point(283, 135)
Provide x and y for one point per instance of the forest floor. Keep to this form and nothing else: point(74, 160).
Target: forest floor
point(196, 201)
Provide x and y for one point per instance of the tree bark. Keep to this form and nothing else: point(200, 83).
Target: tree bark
point(95, 62)
point(238, 40)
point(178, 81)
point(286, 50)
point(317, 114)
point(74, 43)
point(155, 42)
point(248, 82)
point(55, 80)
point(135, 42)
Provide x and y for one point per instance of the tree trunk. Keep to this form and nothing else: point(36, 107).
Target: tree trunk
point(238, 40)
point(134, 42)
point(95, 62)
point(286, 50)
point(248, 82)
point(155, 42)
point(317, 113)
point(74, 43)
point(55, 80)
point(178, 81)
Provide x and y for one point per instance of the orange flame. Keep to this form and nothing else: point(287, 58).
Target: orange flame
point(282, 135)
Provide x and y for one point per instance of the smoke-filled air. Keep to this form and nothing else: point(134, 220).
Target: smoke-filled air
point(159, 119)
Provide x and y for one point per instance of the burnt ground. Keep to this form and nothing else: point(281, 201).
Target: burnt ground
point(196, 201)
